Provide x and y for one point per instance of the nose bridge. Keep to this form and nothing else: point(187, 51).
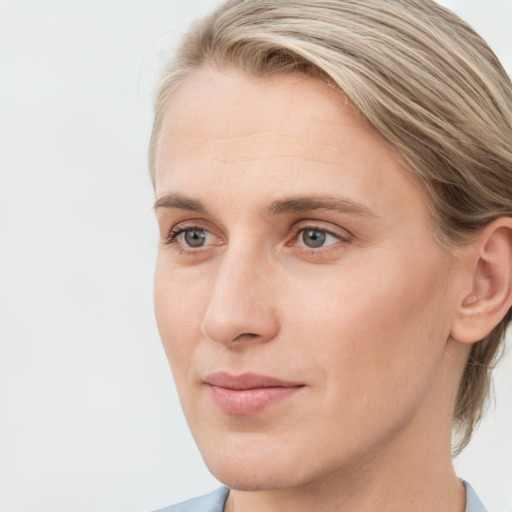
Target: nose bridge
point(240, 306)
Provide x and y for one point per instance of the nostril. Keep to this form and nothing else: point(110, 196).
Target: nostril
point(229, 320)
point(246, 335)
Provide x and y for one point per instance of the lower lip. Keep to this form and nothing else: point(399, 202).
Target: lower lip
point(246, 402)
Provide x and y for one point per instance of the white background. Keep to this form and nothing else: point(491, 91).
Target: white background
point(89, 419)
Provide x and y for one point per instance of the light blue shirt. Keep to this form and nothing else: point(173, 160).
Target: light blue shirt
point(215, 501)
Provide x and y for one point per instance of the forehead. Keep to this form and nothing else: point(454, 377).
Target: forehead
point(227, 104)
point(269, 134)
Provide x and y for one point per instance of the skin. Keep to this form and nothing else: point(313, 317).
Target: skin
point(363, 321)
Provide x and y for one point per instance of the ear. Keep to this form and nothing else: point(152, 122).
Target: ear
point(490, 296)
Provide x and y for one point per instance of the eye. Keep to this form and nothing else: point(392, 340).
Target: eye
point(190, 238)
point(316, 238)
point(194, 237)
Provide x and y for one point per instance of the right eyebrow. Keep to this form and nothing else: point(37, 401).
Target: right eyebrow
point(179, 202)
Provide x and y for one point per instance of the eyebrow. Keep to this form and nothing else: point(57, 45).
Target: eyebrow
point(290, 205)
point(179, 202)
point(326, 203)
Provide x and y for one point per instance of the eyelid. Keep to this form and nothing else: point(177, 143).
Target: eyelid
point(190, 224)
point(176, 237)
point(342, 236)
point(327, 227)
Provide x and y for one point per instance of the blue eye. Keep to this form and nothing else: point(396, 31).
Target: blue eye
point(314, 238)
point(190, 238)
point(194, 237)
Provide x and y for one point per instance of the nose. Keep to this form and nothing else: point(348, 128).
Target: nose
point(241, 307)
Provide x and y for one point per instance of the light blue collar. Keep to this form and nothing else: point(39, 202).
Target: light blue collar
point(215, 501)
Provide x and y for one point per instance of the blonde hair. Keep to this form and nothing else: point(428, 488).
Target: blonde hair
point(425, 80)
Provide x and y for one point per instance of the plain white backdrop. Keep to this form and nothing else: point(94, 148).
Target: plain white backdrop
point(89, 418)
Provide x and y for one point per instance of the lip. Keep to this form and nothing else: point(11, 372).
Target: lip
point(249, 393)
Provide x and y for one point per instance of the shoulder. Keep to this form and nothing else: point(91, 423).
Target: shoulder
point(213, 502)
point(473, 503)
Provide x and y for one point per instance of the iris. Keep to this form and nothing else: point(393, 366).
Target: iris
point(195, 237)
point(313, 238)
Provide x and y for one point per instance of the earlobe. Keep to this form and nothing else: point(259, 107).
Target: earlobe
point(491, 278)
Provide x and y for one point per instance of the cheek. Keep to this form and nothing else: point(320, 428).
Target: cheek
point(179, 306)
point(374, 327)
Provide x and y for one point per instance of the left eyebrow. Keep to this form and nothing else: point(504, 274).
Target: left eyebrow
point(338, 204)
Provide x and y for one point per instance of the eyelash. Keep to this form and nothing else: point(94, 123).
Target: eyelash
point(301, 228)
point(176, 231)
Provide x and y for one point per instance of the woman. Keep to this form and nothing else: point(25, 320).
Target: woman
point(334, 282)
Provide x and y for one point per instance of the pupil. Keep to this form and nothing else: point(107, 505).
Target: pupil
point(195, 237)
point(313, 238)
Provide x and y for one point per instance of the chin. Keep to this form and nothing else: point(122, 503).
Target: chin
point(245, 476)
point(246, 462)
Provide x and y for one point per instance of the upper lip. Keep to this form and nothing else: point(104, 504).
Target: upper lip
point(247, 381)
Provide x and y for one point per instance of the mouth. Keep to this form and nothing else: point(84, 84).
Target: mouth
point(248, 394)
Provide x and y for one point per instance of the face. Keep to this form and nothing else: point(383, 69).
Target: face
point(300, 294)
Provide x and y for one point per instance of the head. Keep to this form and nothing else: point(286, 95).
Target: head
point(427, 92)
